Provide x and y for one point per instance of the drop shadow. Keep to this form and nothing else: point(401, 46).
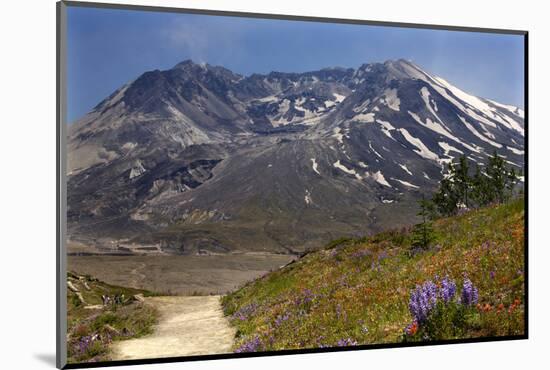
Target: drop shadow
point(46, 358)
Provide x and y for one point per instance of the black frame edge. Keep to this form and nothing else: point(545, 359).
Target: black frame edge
point(231, 356)
point(526, 178)
point(61, 266)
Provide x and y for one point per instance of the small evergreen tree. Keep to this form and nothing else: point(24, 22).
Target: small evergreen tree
point(512, 180)
point(493, 183)
point(502, 180)
point(497, 174)
point(422, 233)
point(480, 188)
point(447, 197)
point(462, 181)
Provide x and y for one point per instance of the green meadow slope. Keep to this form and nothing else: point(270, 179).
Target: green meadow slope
point(357, 291)
point(92, 326)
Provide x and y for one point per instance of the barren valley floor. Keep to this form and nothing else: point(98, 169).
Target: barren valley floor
point(178, 274)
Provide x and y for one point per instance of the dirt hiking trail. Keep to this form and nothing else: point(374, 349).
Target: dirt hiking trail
point(187, 326)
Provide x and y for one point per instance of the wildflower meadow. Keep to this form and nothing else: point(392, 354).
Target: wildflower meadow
point(468, 284)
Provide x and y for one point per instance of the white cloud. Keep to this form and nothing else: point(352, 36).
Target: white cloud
point(204, 40)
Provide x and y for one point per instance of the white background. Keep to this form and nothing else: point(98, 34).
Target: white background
point(27, 170)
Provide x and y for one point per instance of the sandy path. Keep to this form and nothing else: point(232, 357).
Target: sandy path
point(187, 326)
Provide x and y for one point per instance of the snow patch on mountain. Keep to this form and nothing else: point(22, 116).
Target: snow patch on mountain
point(481, 106)
point(343, 168)
point(307, 198)
point(374, 151)
point(391, 99)
point(425, 94)
point(137, 170)
point(378, 177)
point(267, 99)
point(448, 148)
point(338, 135)
point(514, 124)
point(480, 136)
point(405, 183)
point(404, 168)
point(515, 110)
point(129, 146)
point(386, 128)
point(421, 149)
point(362, 117)
point(515, 151)
point(339, 98)
point(434, 126)
point(442, 89)
point(329, 103)
point(314, 166)
point(484, 108)
point(473, 101)
point(512, 163)
point(362, 107)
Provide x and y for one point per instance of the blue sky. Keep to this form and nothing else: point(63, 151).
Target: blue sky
point(107, 48)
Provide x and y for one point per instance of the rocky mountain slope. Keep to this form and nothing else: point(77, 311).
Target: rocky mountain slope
point(198, 159)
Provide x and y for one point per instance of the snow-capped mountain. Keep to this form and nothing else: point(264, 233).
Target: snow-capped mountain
point(198, 158)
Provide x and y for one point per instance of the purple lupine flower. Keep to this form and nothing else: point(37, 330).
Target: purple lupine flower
point(423, 299)
point(448, 289)
point(492, 274)
point(250, 346)
point(245, 312)
point(361, 253)
point(431, 288)
point(346, 342)
point(84, 343)
point(307, 297)
point(281, 318)
point(469, 293)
